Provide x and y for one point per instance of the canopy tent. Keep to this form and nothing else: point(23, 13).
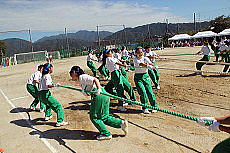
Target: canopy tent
point(205, 34)
point(224, 32)
point(180, 37)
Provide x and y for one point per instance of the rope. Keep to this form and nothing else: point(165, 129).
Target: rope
point(178, 54)
point(206, 62)
point(140, 104)
point(225, 73)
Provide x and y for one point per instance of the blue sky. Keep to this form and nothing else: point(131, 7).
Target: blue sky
point(49, 17)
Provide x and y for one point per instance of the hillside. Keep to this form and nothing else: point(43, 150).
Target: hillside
point(82, 34)
point(15, 45)
point(140, 33)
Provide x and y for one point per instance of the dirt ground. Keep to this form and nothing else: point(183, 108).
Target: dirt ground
point(183, 92)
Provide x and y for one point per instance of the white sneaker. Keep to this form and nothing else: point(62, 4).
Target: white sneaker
point(146, 111)
point(42, 110)
point(154, 111)
point(48, 118)
point(103, 137)
point(124, 126)
point(62, 123)
point(125, 104)
point(33, 108)
point(158, 87)
point(121, 108)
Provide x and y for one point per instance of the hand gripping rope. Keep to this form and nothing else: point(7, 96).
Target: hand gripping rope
point(140, 104)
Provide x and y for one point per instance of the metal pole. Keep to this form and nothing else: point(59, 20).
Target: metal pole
point(67, 41)
point(194, 17)
point(31, 43)
point(126, 40)
point(98, 37)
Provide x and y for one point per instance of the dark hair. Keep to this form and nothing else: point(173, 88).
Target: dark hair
point(46, 68)
point(77, 70)
point(123, 47)
point(40, 67)
point(146, 47)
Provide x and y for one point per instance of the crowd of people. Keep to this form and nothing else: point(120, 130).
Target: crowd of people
point(114, 67)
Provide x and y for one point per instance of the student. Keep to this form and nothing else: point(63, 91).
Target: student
point(50, 59)
point(32, 88)
point(205, 50)
point(153, 73)
point(125, 53)
point(117, 55)
point(46, 97)
point(90, 64)
point(99, 108)
point(102, 69)
point(142, 79)
point(225, 50)
point(118, 80)
point(217, 126)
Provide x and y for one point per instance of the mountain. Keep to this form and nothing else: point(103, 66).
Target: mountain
point(82, 34)
point(15, 45)
point(153, 30)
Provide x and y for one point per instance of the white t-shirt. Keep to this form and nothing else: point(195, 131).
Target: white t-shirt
point(151, 53)
point(86, 82)
point(111, 64)
point(125, 53)
point(205, 50)
point(36, 76)
point(90, 58)
point(117, 55)
point(45, 81)
point(137, 62)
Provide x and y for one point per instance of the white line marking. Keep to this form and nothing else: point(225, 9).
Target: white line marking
point(52, 149)
point(19, 98)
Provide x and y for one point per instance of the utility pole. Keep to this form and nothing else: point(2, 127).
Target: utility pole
point(31, 43)
point(167, 31)
point(67, 41)
point(126, 41)
point(98, 37)
point(194, 18)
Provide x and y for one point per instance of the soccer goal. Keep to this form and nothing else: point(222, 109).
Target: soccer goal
point(30, 57)
point(55, 54)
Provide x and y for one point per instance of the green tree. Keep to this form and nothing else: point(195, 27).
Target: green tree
point(220, 23)
point(2, 49)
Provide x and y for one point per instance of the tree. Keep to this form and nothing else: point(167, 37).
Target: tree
point(220, 23)
point(2, 49)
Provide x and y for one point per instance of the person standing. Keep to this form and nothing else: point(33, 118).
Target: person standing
point(90, 64)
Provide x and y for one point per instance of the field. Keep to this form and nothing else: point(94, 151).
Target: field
point(23, 131)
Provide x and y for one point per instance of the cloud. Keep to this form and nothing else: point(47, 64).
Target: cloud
point(51, 15)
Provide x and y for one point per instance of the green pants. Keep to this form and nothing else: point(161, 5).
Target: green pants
point(51, 104)
point(227, 60)
point(33, 90)
point(155, 76)
point(124, 73)
point(223, 147)
point(144, 88)
point(199, 65)
point(120, 83)
point(92, 67)
point(99, 114)
point(104, 71)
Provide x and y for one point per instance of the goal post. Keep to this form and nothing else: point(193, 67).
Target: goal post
point(29, 57)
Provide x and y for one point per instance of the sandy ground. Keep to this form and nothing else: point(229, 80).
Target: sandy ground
point(24, 131)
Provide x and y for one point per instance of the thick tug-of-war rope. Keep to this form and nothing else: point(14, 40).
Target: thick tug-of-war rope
point(140, 104)
point(225, 73)
point(206, 62)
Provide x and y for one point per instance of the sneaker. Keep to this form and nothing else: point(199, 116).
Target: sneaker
point(125, 104)
point(48, 118)
point(153, 111)
point(104, 137)
point(61, 123)
point(42, 110)
point(124, 126)
point(146, 111)
point(121, 108)
point(158, 87)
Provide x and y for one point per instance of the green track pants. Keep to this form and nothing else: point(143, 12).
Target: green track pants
point(144, 88)
point(120, 83)
point(92, 68)
point(227, 60)
point(99, 114)
point(155, 76)
point(199, 65)
point(51, 104)
point(104, 71)
point(124, 73)
point(33, 90)
point(222, 147)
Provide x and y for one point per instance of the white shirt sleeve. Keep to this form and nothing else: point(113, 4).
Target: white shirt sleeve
point(48, 80)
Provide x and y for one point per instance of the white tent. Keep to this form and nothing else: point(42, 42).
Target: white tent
point(224, 32)
point(205, 34)
point(180, 37)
